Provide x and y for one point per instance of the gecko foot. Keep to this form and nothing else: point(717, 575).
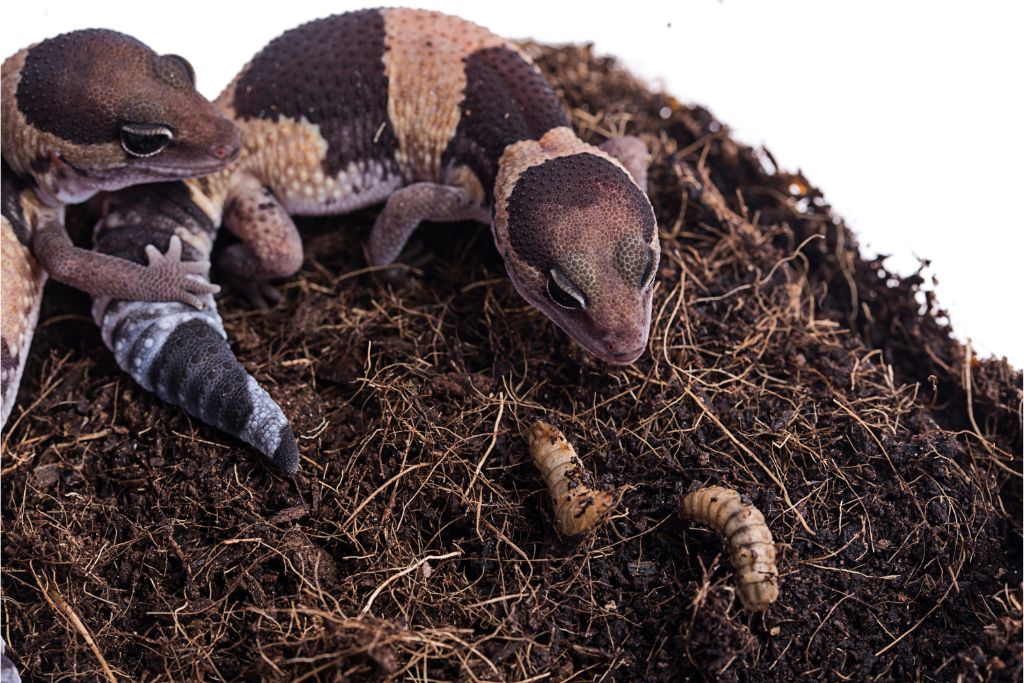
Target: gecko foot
point(168, 278)
point(258, 293)
point(415, 256)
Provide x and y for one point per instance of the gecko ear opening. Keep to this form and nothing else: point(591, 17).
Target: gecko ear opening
point(185, 66)
point(144, 139)
point(564, 292)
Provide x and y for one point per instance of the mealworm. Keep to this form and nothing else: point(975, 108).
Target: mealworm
point(752, 551)
point(579, 507)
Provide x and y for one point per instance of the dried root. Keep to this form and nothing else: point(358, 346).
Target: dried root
point(579, 508)
point(751, 548)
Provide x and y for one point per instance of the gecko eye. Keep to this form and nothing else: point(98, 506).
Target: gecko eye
point(143, 139)
point(650, 272)
point(563, 292)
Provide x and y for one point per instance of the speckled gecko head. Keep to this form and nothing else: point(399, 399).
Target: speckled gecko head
point(580, 241)
point(98, 110)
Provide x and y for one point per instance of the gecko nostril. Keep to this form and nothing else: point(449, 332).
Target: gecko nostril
point(228, 152)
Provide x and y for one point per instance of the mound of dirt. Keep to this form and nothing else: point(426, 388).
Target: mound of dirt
point(417, 539)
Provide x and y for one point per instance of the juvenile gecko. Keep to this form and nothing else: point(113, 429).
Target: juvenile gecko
point(88, 111)
point(441, 120)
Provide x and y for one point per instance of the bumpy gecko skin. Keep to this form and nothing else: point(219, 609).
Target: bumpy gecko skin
point(443, 121)
point(449, 122)
point(84, 112)
point(594, 283)
point(446, 121)
point(97, 110)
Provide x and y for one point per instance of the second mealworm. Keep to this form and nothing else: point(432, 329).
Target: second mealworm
point(751, 548)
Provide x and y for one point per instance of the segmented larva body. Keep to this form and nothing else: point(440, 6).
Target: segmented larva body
point(579, 507)
point(751, 548)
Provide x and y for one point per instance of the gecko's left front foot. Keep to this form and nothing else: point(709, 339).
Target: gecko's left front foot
point(169, 278)
point(166, 278)
point(270, 247)
point(415, 256)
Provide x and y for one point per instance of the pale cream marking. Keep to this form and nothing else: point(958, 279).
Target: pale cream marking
point(21, 282)
point(287, 156)
point(464, 177)
point(423, 58)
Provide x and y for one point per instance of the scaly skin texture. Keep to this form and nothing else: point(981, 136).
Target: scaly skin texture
point(84, 112)
point(443, 121)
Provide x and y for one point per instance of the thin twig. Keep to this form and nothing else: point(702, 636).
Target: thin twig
point(53, 597)
point(750, 453)
point(411, 568)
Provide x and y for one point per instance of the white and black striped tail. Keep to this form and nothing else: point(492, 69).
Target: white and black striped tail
point(180, 353)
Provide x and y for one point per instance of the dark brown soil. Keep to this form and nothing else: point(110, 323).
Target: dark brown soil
point(417, 539)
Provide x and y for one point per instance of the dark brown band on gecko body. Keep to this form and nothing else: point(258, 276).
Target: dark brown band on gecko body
point(150, 215)
point(330, 72)
point(506, 100)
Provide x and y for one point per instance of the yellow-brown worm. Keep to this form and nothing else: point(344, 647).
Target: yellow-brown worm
point(579, 507)
point(751, 548)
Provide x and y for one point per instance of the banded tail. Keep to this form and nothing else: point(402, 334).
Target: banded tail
point(173, 350)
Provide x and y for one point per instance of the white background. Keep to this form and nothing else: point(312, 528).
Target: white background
point(908, 115)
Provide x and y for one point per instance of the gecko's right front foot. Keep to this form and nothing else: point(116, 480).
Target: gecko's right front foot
point(168, 278)
point(242, 272)
point(259, 293)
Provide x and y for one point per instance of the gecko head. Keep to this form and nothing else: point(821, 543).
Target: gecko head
point(580, 243)
point(110, 112)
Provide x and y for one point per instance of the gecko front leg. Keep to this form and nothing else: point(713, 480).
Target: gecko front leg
point(166, 278)
point(410, 206)
point(270, 245)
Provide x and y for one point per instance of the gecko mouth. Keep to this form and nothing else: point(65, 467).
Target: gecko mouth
point(608, 352)
point(599, 344)
point(142, 173)
point(625, 357)
point(189, 170)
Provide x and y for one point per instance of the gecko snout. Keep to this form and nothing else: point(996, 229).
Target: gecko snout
point(624, 357)
point(624, 348)
point(229, 145)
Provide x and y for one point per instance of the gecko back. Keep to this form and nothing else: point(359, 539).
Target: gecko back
point(443, 121)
